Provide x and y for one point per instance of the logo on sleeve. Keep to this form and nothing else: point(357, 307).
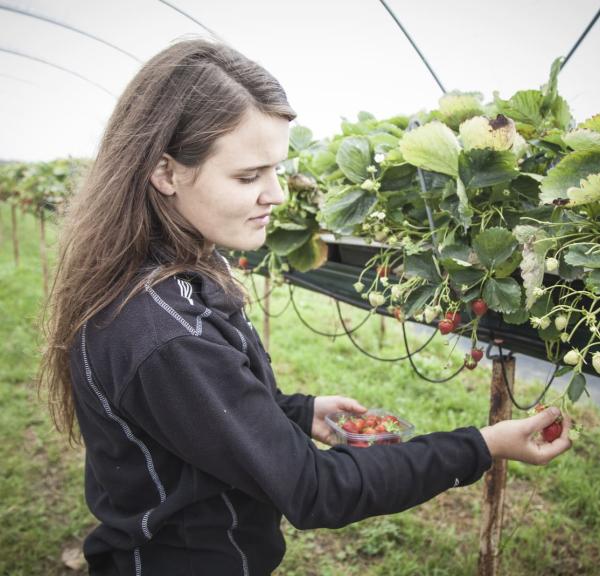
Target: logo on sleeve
point(185, 288)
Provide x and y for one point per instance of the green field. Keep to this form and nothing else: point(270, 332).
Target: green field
point(552, 515)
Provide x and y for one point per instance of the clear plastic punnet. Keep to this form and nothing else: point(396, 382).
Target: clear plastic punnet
point(376, 426)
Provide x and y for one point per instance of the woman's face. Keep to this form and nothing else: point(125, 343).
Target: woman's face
point(237, 186)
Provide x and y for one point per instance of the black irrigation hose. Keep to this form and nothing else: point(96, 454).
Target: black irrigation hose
point(265, 296)
point(344, 333)
point(366, 353)
point(501, 358)
point(258, 301)
point(414, 367)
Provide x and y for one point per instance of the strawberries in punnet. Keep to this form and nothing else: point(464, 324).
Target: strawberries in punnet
point(243, 262)
point(371, 429)
point(479, 307)
point(445, 326)
point(477, 354)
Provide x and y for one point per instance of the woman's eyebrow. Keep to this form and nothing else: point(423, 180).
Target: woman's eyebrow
point(250, 168)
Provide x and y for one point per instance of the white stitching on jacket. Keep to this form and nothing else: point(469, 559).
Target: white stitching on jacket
point(167, 308)
point(138, 561)
point(126, 430)
point(234, 525)
point(243, 339)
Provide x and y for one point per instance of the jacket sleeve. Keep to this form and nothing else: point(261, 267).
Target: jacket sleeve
point(201, 401)
point(297, 407)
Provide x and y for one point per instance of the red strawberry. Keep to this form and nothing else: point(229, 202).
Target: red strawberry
point(383, 271)
point(454, 317)
point(445, 326)
point(380, 429)
point(369, 430)
point(358, 443)
point(350, 426)
point(477, 354)
point(552, 432)
point(470, 363)
point(479, 307)
point(243, 262)
point(360, 424)
point(399, 314)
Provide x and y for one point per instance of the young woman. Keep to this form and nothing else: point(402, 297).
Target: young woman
point(192, 453)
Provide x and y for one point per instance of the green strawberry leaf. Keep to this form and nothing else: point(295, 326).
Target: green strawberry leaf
point(493, 246)
point(282, 242)
point(569, 173)
point(582, 255)
point(309, 256)
point(417, 299)
point(592, 281)
point(432, 147)
point(502, 294)
point(583, 139)
point(576, 387)
point(353, 158)
point(481, 167)
point(344, 209)
point(300, 138)
point(422, 266)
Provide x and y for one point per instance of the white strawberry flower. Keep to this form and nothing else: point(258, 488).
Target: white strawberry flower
point(379, 158)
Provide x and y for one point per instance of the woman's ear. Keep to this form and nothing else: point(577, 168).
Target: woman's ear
point(162, 176)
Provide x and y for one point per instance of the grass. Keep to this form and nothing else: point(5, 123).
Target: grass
point(552, 514)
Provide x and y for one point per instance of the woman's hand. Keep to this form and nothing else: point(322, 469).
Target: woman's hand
point(518, 439)
point(326, 405)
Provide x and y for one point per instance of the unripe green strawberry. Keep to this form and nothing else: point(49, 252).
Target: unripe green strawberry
point(359, 287)
point(376, 299)
point(561, 322)
point(596, 361)
point(572, 357)
point(430, 314)
point(551, 264)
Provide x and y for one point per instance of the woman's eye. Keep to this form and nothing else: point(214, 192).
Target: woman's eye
point(249, 180)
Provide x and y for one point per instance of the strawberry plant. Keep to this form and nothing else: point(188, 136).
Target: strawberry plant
point(490, 208)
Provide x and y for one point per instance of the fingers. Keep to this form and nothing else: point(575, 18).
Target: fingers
point(351, 405)
point(547, 451)
point(539, 421)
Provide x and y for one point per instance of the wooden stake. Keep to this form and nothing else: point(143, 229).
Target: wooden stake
point(494, 486)
point(266, 332)
point(43, 250)
point(15, 237)
point(381, 330)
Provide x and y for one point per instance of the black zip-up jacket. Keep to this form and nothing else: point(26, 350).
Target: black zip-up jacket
point(193, 454)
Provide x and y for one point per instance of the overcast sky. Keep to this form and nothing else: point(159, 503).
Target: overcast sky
point(333, 57)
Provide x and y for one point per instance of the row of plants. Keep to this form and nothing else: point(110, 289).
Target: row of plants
point(474, 206)
point(39, 188)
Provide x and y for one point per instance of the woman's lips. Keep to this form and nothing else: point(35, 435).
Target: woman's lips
point(262, 220)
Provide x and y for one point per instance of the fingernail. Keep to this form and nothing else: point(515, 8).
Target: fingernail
point(554, 411)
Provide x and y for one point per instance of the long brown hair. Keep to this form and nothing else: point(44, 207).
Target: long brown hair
point(180, 103)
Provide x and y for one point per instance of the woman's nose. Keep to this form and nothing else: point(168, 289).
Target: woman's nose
point(272, 193)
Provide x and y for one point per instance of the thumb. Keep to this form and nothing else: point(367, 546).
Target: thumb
point(539, 421)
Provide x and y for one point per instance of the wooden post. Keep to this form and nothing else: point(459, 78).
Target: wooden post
point(381, 335)
point(494, 486)
point(43, 250)
point(15, 237)
point(266, 332)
